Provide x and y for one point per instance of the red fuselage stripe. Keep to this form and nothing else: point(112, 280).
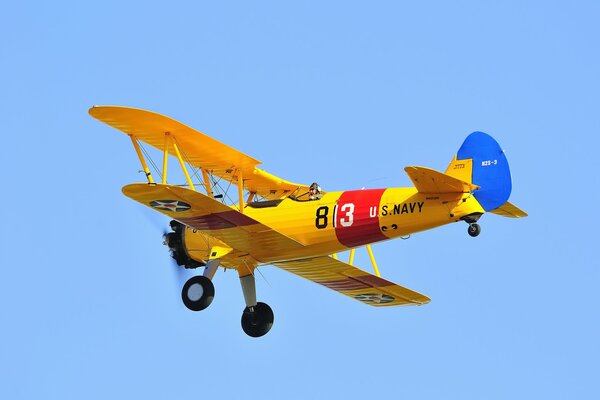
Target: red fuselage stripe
point(357, 217)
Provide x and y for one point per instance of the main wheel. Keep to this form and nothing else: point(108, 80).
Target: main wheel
point(474, 230)
point(258, 322)
point(197, 293)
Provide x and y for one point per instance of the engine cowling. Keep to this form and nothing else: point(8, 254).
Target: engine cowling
point(175, 241)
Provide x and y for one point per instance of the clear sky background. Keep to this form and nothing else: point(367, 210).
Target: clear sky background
point(344, 93)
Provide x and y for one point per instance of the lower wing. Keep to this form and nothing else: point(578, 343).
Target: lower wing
point(205, 214)
point(353, 282)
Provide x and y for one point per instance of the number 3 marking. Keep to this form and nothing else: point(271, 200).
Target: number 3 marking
point(347, 208)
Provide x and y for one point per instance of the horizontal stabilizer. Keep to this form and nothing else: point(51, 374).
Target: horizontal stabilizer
point(353, 282)
point(428, 180)
point(509, 210)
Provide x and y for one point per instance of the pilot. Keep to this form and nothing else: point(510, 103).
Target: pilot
point(315, 193)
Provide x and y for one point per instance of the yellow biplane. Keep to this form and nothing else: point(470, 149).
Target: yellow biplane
point(295, 227)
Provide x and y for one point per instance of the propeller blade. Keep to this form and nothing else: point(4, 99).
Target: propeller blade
point(160, 223)
point(157, 220)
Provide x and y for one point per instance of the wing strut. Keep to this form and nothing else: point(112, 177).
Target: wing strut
point(165, 158)
point(183, 168)
point(209, 191)
point(371, 256)
point(141, 157)
point(241, 190)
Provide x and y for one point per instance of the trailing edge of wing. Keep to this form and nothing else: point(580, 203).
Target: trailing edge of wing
point(353, 282)
point(509, 210)
point(428, 180)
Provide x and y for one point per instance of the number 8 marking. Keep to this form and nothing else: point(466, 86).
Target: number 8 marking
point(321, 217)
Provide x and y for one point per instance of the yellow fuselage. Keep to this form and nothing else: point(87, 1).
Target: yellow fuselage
point(343, 220)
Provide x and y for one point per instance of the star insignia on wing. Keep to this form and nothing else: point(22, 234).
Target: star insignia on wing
point(376, 298)
point(170, 205)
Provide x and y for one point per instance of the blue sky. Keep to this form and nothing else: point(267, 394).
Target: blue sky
point(344, 93)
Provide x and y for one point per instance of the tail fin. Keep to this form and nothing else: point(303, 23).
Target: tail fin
point(482, 162)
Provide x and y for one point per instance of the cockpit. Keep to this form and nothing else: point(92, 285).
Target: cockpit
point(315, 192)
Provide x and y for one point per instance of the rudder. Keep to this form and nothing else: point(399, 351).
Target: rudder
point(488, 166)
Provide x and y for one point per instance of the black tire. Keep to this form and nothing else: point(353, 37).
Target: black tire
point(474, 230)
point(197, 293)
point(258, 322)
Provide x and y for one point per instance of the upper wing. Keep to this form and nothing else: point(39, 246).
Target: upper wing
point(428, 180)
point(199, 150)
point(352, 282)
point(509, 210)
point(201, 212)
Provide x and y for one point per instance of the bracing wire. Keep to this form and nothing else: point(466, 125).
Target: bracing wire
point(147, 155)
point(195, 172)
point(200, 181)
point(265, 279)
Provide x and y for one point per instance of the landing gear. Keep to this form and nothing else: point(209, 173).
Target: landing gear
point(197, 293)
point(474, 230)
point(257, 320)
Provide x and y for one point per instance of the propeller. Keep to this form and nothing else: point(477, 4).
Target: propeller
point(180, 273)
point(159, 223)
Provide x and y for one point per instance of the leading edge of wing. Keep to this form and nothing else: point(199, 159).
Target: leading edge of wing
point(353, 282)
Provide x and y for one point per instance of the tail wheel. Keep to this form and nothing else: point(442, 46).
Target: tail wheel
point(257, 320)
point(197, 293)
point(474, 230)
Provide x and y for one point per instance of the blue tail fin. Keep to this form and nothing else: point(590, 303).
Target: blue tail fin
point(489, 169)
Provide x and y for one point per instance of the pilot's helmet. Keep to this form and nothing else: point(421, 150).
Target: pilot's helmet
point(315, 188)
